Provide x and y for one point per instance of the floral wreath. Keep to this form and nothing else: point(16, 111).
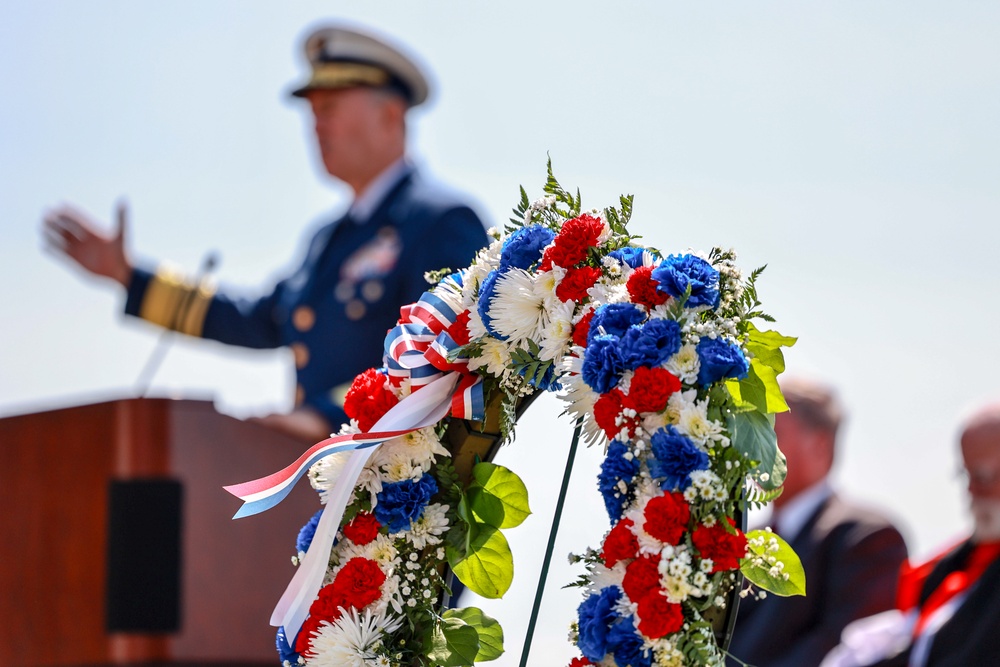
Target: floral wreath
point(659, 361)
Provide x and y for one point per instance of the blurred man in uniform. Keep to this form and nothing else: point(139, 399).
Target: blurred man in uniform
point(949, 607)
point(851, 555)
point(334, 311)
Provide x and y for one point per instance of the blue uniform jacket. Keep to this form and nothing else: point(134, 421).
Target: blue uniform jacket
point(335, 310)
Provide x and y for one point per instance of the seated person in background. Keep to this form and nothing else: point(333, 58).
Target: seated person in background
point(333, 311)
point(949, 608)
point(851, 555)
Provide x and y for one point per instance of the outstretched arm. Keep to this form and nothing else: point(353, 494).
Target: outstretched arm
point(71, 233)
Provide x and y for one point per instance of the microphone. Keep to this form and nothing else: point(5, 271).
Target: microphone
point(208, 264)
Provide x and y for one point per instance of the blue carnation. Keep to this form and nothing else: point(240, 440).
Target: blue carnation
point(626, 645)
point(616, 467)
point(286, 651)
point(614, 319)
point(401, 503)
point(631, 256)
point(307, 532)
point(720, 359)
point(524, 247)
point(676, 458)
point(602, 364)
point(596, 614)
point(651, 344)
point(678, 272)
point(486, 290)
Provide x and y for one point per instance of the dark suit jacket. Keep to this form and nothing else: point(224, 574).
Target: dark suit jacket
point(335, 309)
point(971, 638)
point(851, 558)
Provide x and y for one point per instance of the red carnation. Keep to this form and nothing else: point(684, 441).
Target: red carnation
point(327, 604)
point(579, 662)
point(642, 288)
point(576, 282)
point(459, 329)
point(368, 399)
point(658, 617)
point(620, 544)
point(608, 409)
point(667, 517)
point(571, 244)
point(651, 388)
point(359, 582)
point(641, 576)
point(303, 643)
point(582, 329)
point(723, 547)
point(362, 529)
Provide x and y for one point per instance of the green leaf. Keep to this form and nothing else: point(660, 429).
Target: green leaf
point(769, 339)
point(752, 433)
point(487, 568)
point(767, 378)
point(498, 497)
point(453, 643)
point(762, 544)
point(489, 630)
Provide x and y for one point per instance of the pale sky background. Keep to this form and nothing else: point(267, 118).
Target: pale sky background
point(853, 147)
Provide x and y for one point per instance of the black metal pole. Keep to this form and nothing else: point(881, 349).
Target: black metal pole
point(551, 546)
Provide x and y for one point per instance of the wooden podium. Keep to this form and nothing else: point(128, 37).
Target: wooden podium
point(118, 543)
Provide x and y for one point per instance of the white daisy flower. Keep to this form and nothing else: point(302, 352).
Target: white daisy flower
point(382, 550)
point(516, 309)
point(428, 529)
point(602, 577)
point(350, 640)
point(559, 333)
point(419, 446)
point(685, 364)
point(396, 465)
point(495, 357)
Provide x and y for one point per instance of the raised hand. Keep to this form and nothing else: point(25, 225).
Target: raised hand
point(70, 232)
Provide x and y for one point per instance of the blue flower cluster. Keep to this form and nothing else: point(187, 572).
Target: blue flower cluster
point(602, 363)
point(720, 359)
point(401, 503)
point(679, 272)
point(596, 614)
point(626, 645)
point(614, 468)
point(675, 458)
point(524, 247)
point(486, 290)
point(632, 256)
point(307, 532)
point(614, 319)
point(650, 344)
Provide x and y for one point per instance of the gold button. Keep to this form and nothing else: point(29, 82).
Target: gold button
point(372, 290)
point(303, 318)
point(300, 395)
point(355, 309)
point(301, 354)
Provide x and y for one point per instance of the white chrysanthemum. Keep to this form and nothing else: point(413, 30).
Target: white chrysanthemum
point(420, 446)
point(666, 654)
point(677, 589)
point(495, 357)
point(428, 529)
point(486, 260)
point(685, 364)
point(396, 466)
point(546, 283)
point(516, 309)
point(477, 328)
point(325, 472)
point(647, 543)
point(693, 422)
point(602, 577)
point(580, 399)
point(450, 292)
point(382, 550)
point(350, 640)
point(559, 333)
point(654, 421)
point(603, 293)
point(391, 597)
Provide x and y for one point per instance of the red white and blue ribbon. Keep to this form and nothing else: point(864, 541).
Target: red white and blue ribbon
point(418, 349)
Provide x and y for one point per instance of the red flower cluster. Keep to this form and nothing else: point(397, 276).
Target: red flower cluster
point(620, 544)
point(368, 399)
point(459, 329)
point(362, 529)
point(667, 518)
point(608, 408)
point(582, 329)
point(723, 547)
point(579, 662)
point(572, 242)
point(642, 288)
point(651, 388)
point(641, 576)
point(576, 282)
point(658, 617)
point(357, 585)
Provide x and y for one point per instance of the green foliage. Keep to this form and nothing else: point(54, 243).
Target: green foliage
point(527, 364)
point(434, 277)
point(764, 551)
point(496, 498)
point(452, 643)
point(748, 299)
point(760, 388)
point(519, 211)
point(553, 188)
point(752, 434)
point(489, 631)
